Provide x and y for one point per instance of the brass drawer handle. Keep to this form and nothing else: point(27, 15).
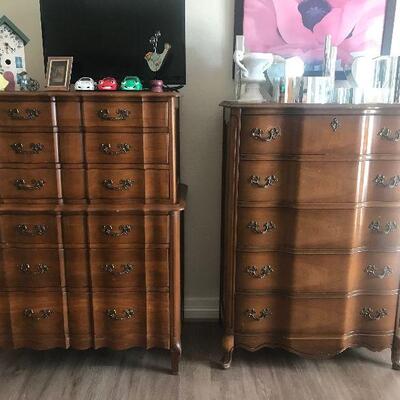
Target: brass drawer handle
point(268, 181)
point(126, 314)
point(392, 182)
point(112, 269)
point(124, 230)
point(335, 124)
point(264, 272)
point(37, 316)
point(264, 314)
point(36, 230)
point(374, 315)
point(375, 226)
point(31, 113)
point(35, 148)
point(40, 269)
point(386, 134)
point(121, 115)
point(265, 136)
point(36, 184)
point(267, 227)
point(372, 270)
point(124, 184)
point(123, 148)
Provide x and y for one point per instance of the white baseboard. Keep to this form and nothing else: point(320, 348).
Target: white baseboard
point(201, 308)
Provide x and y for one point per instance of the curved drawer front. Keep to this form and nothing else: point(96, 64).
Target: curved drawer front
point(128, 229)
point(315, 316)
point(131, 319)
point(128, 184)
point(30, 268)
point(27, 148)
point(114, 115)
point(29, 229)
point(311, 229)
point(37, 319)
point(140, 268)
point(302, 134)
point(152, 148)
point(322, 273)
point(25, 113)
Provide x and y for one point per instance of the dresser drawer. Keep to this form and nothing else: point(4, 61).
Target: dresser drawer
point(27, 148)
point(315, 316)
point(129, 229)
point(30, 268)
point(311, 229)
point(152, 148)
point(317, 273)
point(25, 113)
point(129, 184)
point(117, 114)
point(37, 317)
point(133, 268)
point(29, 229)
point(123, 321)
point(301, 134)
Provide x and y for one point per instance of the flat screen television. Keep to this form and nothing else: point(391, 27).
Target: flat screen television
point(111, 37)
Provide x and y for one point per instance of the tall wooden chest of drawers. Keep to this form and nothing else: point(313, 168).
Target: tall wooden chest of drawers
point(90, 219)
point(311, 228)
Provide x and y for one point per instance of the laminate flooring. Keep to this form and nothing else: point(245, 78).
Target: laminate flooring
point(139, 375)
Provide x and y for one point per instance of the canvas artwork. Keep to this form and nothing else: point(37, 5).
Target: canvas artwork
point(299, 27)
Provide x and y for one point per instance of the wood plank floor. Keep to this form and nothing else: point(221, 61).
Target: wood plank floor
point(140, 375)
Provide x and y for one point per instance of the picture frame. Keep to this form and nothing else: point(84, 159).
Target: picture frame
point(58, 73)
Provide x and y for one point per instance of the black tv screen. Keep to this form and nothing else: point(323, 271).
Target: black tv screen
point(111, 37)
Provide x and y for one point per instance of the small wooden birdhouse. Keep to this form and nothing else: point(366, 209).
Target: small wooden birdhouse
point(12, 51)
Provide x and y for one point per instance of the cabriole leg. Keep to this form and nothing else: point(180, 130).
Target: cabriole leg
point(228, 347)
point(176, 353)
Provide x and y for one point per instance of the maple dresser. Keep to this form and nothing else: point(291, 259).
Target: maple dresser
point(90, 219)
point(311, 228)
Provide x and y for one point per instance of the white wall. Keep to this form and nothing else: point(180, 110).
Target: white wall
point(209, 29)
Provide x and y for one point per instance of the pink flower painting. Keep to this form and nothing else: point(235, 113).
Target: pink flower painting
point(298, 27)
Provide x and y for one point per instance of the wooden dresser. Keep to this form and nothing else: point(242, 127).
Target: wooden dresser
point(90, 219)
point(311, 228)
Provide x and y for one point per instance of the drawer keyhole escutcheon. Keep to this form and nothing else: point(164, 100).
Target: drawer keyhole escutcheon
point(372, 270)
point(265, 136)
point(112, 314)
point(267, 227)
point(335, 124)
point(264, 272)
point(264, 314)
point(265, 183)
point(374, 315)
point(37, 316)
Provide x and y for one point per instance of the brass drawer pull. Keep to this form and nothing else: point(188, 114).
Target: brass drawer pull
point(124, 230)
point(31, 113)
point(268, 136)
point(36, 184)
point(268, 181)
point(392, 182)
point(124, 184)
point(372, 270)
point(123, 148)
point(40, 269)
point(36, 230)
point(264, 314)
point(121, 115)
point(35, 148)
point(375, 226)
point(37, 316)
point(371, 315)
point(264, 272)
point(386, 134)
point(112, 269)
point(335, 124)
point(126, 314)
point(267, 227)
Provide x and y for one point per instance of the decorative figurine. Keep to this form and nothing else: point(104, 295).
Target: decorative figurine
point(156, 60)
point(3, 83)
point(26, 83)
point(108, 83)
point(85, 83)
point(131, 83)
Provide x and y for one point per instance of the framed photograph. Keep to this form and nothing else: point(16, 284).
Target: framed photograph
point(58, 74)
point(298, 28)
